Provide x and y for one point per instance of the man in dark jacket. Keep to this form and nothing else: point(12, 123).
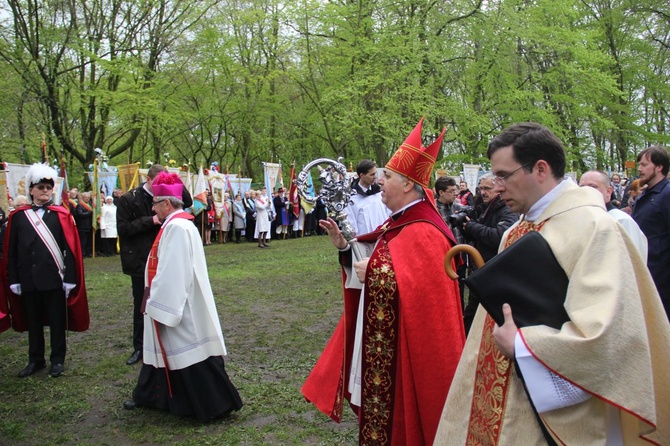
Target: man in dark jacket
point(44, 273)
point(250, 209)
point(465, 197)
point(486, 232)
point(138, 226)
point(83, 215)
point(651, 212)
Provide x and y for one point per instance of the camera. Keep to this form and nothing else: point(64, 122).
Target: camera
point(460, 215)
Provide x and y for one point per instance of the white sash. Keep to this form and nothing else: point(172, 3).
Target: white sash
point(48, 239)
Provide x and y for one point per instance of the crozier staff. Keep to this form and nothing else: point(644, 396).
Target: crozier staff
point(395, 350)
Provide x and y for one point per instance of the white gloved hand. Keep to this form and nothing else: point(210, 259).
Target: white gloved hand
point(68, 287)
point(16, 288)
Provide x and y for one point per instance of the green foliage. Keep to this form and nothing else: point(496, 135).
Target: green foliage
point(247, 81)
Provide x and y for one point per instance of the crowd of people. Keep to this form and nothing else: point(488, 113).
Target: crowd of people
point(416, 361)
point(256, 215)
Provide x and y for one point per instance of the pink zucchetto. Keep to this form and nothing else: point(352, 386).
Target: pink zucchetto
point(167, 184)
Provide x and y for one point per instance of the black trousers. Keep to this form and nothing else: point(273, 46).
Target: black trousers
point(251, 226)
point(46, 307)
point(86, 239)
point(138, 318)
point(108, 246)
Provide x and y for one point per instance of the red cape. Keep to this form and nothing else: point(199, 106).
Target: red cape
point(77, 303)
point(431, 333)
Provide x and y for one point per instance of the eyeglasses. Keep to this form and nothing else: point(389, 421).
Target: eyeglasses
point(43, 187)
point(154, 203)
point(500, 180)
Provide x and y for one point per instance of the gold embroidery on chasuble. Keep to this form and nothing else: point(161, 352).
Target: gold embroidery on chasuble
point(380, 338)
point(339, 399)
point(492, 376)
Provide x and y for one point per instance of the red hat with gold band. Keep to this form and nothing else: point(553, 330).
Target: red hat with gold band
point(413, 160)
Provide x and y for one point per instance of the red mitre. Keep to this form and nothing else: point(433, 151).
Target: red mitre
point(413, 160)
point(167, 184)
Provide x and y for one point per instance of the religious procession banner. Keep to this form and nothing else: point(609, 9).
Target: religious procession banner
point(106, 181)
point(200, 193)
point(217, 183)
point(236, 184)
point(15, 182)
point(272, 176)
point(470, 175)
point(58, 190)
point(129, 176)
point(4, 198)
point(16, 179)
point(187, 178)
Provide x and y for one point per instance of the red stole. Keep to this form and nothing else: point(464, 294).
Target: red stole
point(152, 266)
point(152, 261)
point(389, 400)
point(493, 372)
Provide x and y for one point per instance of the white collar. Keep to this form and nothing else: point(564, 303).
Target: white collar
point(148, 191)
point(169, 217)
point(402, 209)
point(540, 205)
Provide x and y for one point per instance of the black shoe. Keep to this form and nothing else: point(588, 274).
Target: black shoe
point(31, 368)
point(130, 405)
point(56, 370)
point(135, 357)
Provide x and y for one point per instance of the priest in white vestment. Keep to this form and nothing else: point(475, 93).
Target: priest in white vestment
point(183, 370)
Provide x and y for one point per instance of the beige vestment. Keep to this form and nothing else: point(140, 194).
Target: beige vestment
point(616, 346)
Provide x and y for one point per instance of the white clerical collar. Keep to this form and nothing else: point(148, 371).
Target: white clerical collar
point(540, 205)
point(169, 217)
point(147, 189)
point(401, 210)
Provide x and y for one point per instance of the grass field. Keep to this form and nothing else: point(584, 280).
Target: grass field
point(277, 307)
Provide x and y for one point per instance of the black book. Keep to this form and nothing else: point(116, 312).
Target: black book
point(528, 277)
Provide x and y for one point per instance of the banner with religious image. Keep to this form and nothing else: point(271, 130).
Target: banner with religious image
point(15, 183)
point(272, 176)
point(471, 175)
point(16, 179)
point(106, 182)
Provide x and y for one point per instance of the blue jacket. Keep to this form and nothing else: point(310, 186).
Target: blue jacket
point(651, 212)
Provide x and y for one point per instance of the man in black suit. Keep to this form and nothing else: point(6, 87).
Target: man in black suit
point(138, 226)
point(250, 209)
point(43, 269)
point(83, 215)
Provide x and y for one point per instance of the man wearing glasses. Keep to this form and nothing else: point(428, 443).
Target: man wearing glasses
point(138, 226)
point(44, 268)
point(445, 194)
point(601, 377)
point(183, 371)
